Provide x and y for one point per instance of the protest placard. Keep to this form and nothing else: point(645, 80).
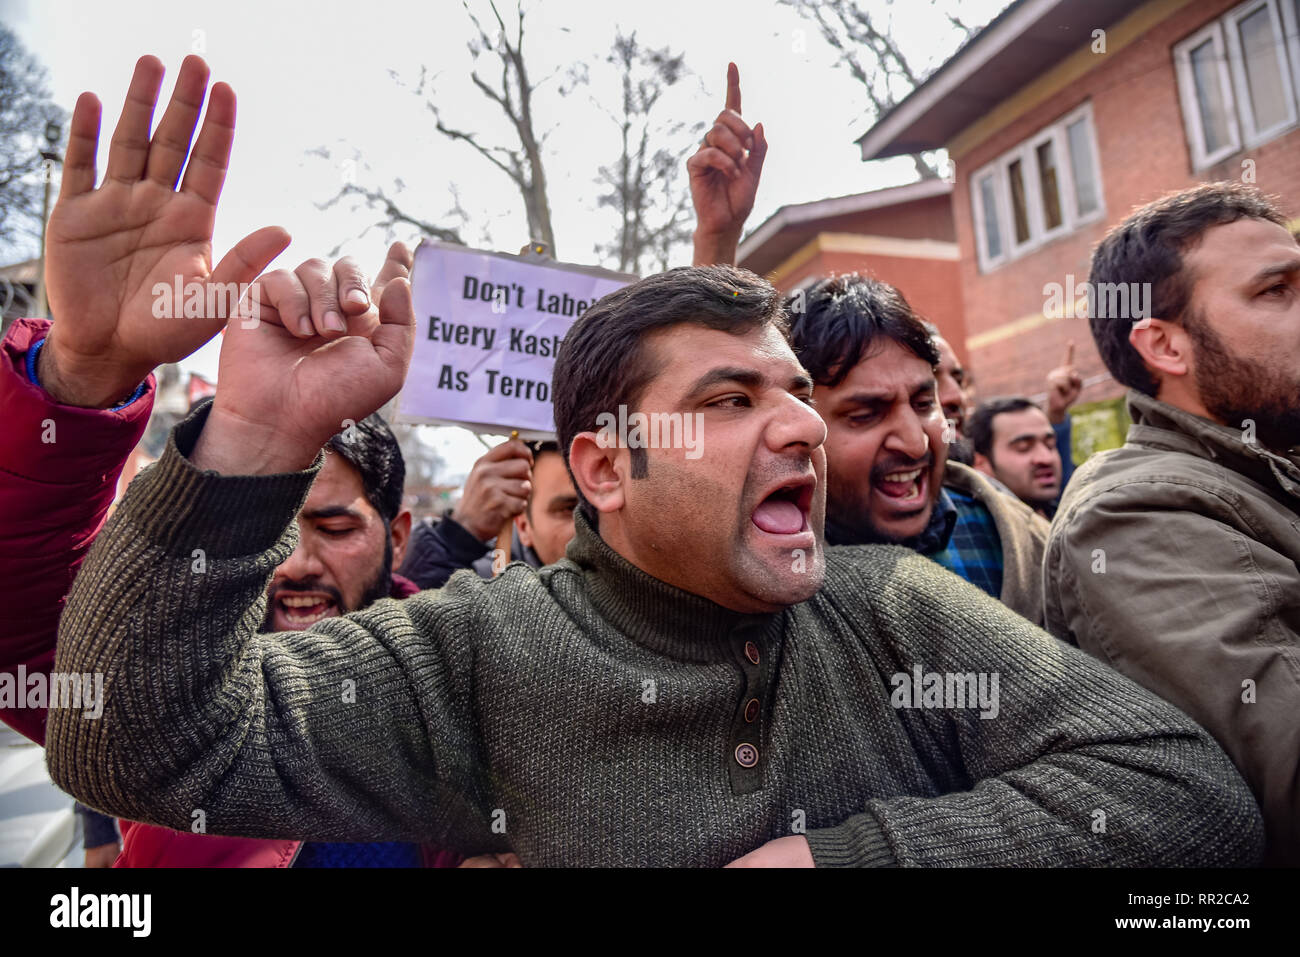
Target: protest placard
point(488, 328)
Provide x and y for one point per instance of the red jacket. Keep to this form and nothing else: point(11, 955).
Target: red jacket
point(59, 467)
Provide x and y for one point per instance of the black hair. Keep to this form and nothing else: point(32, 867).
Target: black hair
point(370, 447)
point(836, 324)
point(1148, 248)
point(603, 362)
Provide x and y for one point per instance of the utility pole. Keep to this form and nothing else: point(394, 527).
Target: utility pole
point(53, 134)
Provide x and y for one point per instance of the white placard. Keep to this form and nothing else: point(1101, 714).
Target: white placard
point(488, 327)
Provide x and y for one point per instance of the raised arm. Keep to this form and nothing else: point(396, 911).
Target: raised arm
point(77, 392)
point(724, 174)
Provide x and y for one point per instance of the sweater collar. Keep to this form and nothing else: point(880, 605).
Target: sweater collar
point(659, 616)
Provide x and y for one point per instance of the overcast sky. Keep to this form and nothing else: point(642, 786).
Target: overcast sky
point(318, 74)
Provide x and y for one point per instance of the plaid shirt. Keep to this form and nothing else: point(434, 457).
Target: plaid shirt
point(962, 538)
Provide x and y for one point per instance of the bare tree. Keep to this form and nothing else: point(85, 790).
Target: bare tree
point(25, 109)
point(521, 161)
point(866, 46)
point(645, 186)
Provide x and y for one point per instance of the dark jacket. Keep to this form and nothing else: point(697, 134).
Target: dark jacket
point(1176, 559)
point(440, 550)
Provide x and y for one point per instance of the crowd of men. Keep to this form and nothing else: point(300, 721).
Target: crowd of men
point(873, 624)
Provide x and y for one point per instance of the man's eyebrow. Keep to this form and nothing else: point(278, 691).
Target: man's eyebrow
point(563, 500)
point(925, 386)
point(1278, 269)
point(332, 511)
point(716, 377)
point(1031, 435)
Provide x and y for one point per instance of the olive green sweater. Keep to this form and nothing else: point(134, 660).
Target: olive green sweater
point(588, 714)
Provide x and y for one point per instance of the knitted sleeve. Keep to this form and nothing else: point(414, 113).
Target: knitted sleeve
point(1050, 757)
point(358, 729)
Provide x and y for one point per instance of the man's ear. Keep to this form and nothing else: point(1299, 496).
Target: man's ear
point(524, 529)
point(400, 528)
point(984, 464)
point(600, 471)
point(1164, 346)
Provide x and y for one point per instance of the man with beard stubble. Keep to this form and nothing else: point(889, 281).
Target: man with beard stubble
point(1176, 558)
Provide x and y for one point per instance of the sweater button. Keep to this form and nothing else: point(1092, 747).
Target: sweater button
point(751, 710)
point(746, 755)
point(751, 652)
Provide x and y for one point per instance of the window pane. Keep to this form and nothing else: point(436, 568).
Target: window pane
point(1085, 176)
point(1209, 97)
point(1019, 210)
point(1263, 69)
point(992, 231)
point(1048, 180)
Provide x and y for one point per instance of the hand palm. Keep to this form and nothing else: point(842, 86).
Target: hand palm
point(107, 249)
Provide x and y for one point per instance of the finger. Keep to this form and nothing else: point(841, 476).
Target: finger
point(83, 143)
point(733, 87)
point(757, 153)
point(283, 292)
point(509, 451)
point(510, 860)
point(1069, 353)
point(483, 860)
point(395, 337)
point(206, 172)
point(722, 138)
point(398, 263)
point(739, 128)
point(516, 470)
point(511, 504)
point(251, 255)
point(130, 146)
point(171, 141)
point(350, 286)
point(712, 158)
point(326, 315)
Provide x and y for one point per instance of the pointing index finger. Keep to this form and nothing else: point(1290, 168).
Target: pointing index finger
point(733, 87)
point(1069, 353)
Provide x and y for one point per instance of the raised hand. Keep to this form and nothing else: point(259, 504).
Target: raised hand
point(1063, 387)
point(294, 379)
point(107, 248)
point(724, 174)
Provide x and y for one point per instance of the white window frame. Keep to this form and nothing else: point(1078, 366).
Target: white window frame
point(986, 261)
point(1291, 28)
point(1191, 106)
point(1251, 134)
point(1084, 112)
point(1027, 152)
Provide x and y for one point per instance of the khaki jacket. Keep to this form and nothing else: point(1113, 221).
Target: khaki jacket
point(1024, 536)
point(1176, 559)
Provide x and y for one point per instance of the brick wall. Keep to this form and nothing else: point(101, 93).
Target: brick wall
point(1141, 139)
point(931, 286)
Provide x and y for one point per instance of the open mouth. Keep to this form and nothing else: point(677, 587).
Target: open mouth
point(303, 611)
point(785, 509)
point(1045, 477)
point(904, 488)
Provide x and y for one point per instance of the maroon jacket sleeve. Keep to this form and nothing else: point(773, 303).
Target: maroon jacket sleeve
point(59, 467)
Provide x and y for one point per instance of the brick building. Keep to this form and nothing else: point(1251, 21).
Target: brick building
point(903, 235)
point(1061, 116)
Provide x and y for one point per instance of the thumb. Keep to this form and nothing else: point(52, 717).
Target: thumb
point(759, 152)
point(251, 255)
point(394, 340)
